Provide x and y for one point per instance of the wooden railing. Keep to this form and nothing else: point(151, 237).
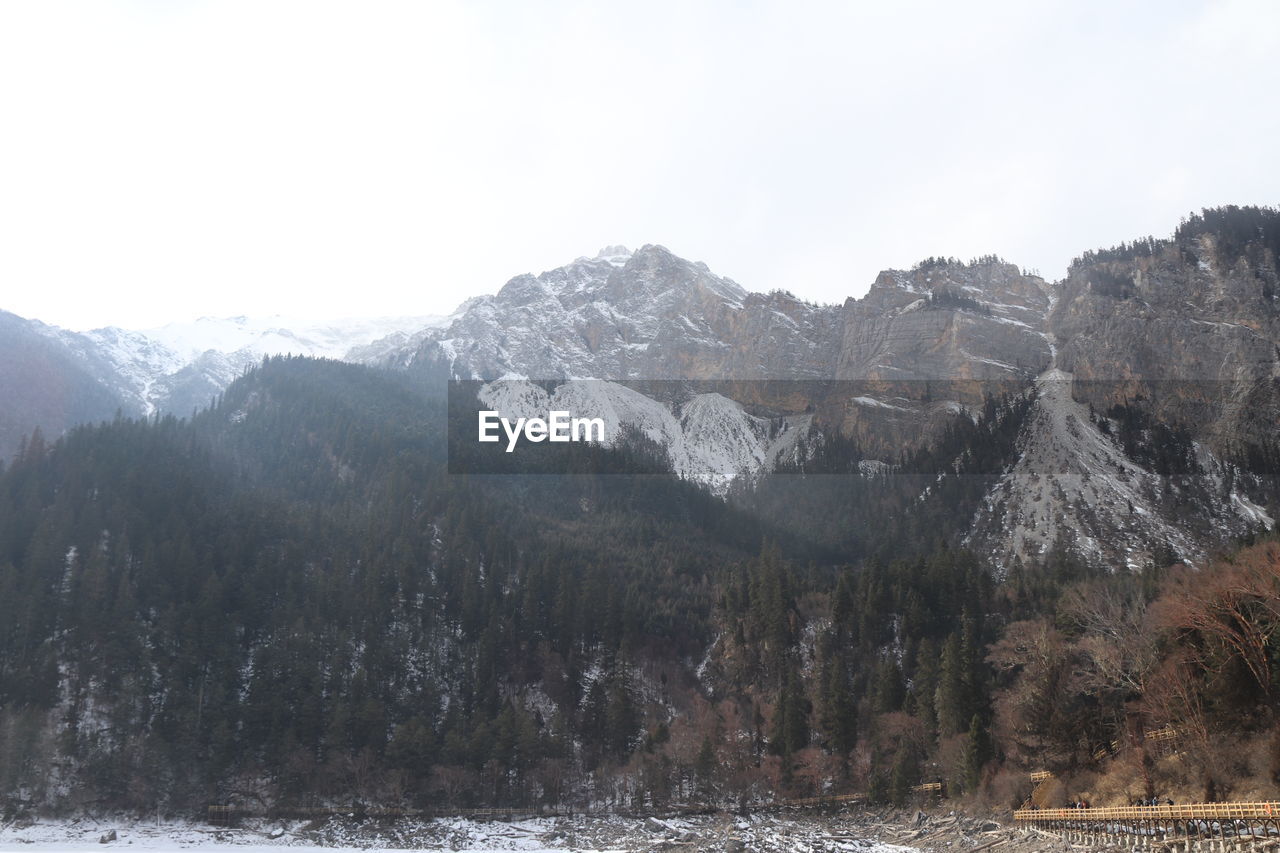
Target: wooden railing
point(1190, 811)
point(828, 800)
point(1178, 828)
point(1042, 779)
point(841, 799)
point(1166, 733)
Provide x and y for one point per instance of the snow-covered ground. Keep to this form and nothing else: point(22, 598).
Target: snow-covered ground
point(702, 833)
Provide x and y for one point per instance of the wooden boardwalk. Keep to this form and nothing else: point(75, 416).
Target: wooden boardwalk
point(1190, 811)
point(816, 802)
point(1191, 826)
point(936, 789)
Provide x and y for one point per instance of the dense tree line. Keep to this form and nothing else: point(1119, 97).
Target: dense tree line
point(1121, 655)
point(1237, 232)
point(289, 599)
point(1165, 449)
point(288, 595)
point(949, 299)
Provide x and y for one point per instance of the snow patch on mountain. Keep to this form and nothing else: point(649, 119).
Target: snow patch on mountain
point(178, 366)
point(280, 334)
point(628, 315)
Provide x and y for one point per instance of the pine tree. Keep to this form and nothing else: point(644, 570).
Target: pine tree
point(840, 712)
point(622, 719)
point(877, 784)
point(791, 718)
point(906, 773)
point(889, 690)
point(924, 686)
point(977, 752)
point(842, 607)
point(704, 765)
point(951, 702)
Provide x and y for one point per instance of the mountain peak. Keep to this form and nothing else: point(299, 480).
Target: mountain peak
point(616, 255)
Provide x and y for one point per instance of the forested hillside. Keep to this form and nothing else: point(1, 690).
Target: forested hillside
point(289, 595)
point(287, 599)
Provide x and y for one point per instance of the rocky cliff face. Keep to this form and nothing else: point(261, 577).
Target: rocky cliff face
point(926, 344)
point(652, 315)
point(947, 321)
point(1156, 368)
point(1166, 384)
point(1189, 326)
point(1073, 487)
point(891, 368)
point(1182, 332)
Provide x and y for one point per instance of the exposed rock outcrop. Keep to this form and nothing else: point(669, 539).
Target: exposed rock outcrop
point(1189, 326)
point(1157, 369)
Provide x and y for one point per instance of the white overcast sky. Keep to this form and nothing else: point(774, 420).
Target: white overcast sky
point(165, 160)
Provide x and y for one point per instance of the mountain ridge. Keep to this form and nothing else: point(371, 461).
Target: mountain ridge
point(1182, 332)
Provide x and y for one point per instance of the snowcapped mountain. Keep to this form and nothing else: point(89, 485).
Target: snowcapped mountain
point(866, 367)
point(653, 315)
point(180, 366)
point(630, 315)
point(1183, 335)
point(893, 369)
point(280, 334)
point(44, 385)
point(55, 378)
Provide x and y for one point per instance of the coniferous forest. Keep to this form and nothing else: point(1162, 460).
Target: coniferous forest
point(749, 427)
point(288, 599)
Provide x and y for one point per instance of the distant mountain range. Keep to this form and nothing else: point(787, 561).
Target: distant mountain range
point(54, 378)
point(295, 596)
point(1182, 334)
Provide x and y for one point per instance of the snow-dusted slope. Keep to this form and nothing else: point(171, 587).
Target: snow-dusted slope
point(925, 342)
point(44, 385)
point(891, 371)
point(924, 346)
point(1074, 487)
point(279, 334)
point(624, 315)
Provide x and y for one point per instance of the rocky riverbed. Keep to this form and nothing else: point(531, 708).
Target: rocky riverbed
point(852, 831)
